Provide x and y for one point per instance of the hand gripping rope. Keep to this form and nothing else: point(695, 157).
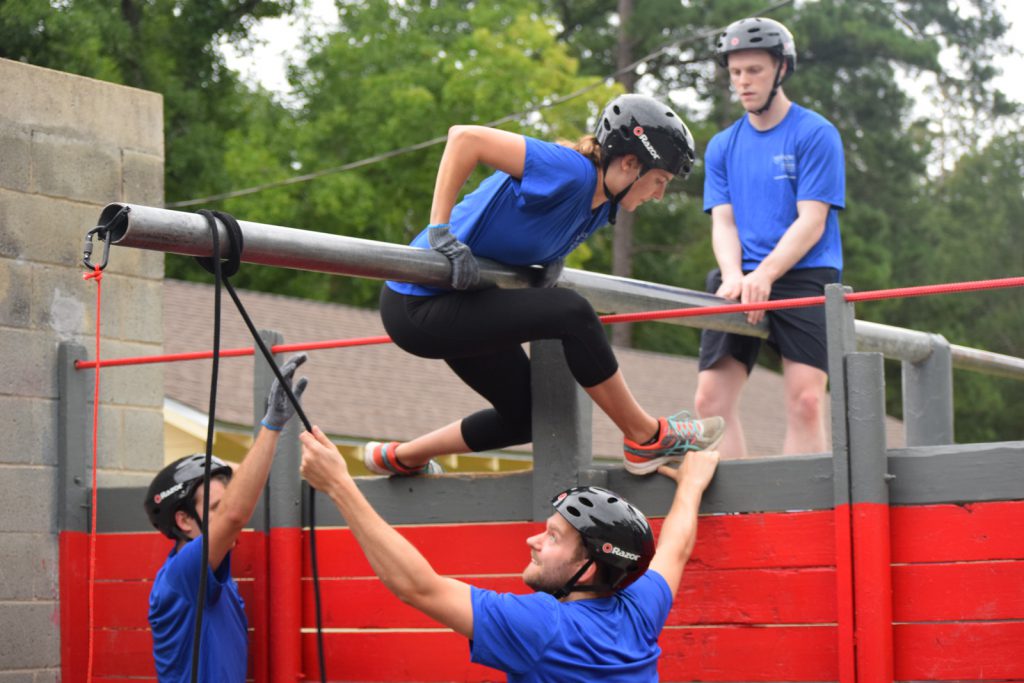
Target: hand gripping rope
point(221, 272)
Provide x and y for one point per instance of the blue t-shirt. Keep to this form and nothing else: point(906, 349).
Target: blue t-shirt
point(223, 650)
point(535, 638)
point(763, 174)
point(536, 219)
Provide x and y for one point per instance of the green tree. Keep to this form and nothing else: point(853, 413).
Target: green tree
point(969, 230)
point(394, 75)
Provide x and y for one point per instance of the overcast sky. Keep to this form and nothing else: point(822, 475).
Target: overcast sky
point(279, 39)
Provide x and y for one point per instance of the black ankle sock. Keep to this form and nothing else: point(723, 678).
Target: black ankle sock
point(654, 439)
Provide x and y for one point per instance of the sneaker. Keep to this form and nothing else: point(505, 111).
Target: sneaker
point(677, 436)
point(380, 458)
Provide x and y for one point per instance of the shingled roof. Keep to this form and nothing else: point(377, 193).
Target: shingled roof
point(381, 392)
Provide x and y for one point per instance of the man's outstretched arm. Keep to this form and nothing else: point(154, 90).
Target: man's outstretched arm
point(679, 530)
point(401, 567)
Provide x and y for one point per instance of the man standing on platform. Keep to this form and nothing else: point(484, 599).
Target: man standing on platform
point(774, 185)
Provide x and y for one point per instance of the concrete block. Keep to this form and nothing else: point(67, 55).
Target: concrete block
point(148, 265)
point(64, 166)
point(104, 113)
point(130, 438)
point(44, 229)
point(63, 304)
point(29, 569)
point(27, 501)
point(16, 145)
point(131, 385)
point(30, 431)
point(15, 293)
point(20, 677)
point(135, 309)
point(142, 179)
point(28, 364)
point(30, 638)
point(143, 448)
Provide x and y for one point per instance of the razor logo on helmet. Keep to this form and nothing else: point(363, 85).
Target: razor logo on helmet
point(639, 133)
point(163, 494)
point(610, 549)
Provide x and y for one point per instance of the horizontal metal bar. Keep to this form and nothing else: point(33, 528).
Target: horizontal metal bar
point(178, 232)
point(910, 345)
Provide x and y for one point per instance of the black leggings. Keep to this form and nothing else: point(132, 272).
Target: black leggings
point(480, 335)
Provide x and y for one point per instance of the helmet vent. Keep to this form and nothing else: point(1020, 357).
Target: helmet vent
point(670, 114)
point(757, 39)
point(753, 29)
point(573, 511)
point(607, 125)
point(613, 501)
point(586, 501)
point(626, 133)
point(615, 108)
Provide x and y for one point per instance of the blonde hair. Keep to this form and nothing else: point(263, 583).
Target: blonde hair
point(588, 146)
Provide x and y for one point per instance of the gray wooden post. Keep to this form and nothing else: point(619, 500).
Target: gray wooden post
point(928, 397)
point(865, 391)
point(562, 411)
point(283, 494)
point(74, 408)
point(839, 323)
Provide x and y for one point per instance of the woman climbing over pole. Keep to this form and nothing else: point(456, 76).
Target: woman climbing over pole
point(541, 202)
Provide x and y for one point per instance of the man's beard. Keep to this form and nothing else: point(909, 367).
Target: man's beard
point(543, 583)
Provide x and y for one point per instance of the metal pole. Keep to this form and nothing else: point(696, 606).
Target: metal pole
point(178, 232)
point(144, 227)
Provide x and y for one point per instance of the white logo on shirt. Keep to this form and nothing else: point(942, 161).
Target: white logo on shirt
point(785, 166)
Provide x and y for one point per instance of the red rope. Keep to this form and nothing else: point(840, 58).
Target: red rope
point(96, 275)
point(900, 292)
point(693, 312)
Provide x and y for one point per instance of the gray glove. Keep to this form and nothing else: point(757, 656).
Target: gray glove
point(465, 270)
point(279, 407)
point(549, 274)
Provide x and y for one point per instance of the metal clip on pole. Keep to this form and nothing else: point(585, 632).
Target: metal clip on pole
point(101, 230)
point(104, 233)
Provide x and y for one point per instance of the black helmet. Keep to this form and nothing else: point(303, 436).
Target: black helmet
point(616, 535)
point(757, 33)
point(640, 125)
point(172, 489)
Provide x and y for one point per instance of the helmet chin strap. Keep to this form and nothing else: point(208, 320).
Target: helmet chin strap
point(614, 200)
point(775, 89)
point(570, 585)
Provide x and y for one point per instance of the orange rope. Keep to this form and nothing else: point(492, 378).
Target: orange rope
point(97, 275)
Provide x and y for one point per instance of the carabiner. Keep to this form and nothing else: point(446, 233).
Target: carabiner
point(87, 247)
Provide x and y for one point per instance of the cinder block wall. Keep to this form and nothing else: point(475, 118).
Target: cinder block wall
point(68, 146)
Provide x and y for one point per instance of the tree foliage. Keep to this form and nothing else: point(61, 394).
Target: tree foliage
point(936, 199)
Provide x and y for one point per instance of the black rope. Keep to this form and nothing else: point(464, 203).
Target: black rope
point(234, 231)
point(204, 522)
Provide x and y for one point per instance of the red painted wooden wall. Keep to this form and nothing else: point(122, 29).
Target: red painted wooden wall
point(757, 601)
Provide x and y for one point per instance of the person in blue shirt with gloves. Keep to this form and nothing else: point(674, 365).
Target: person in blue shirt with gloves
point(173, 503)
point(602, 590)
point(543, 200)
point(774, 186)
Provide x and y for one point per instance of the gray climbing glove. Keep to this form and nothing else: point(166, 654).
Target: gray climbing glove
point(549, 274)
point(465, 270)
point(279, 407)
